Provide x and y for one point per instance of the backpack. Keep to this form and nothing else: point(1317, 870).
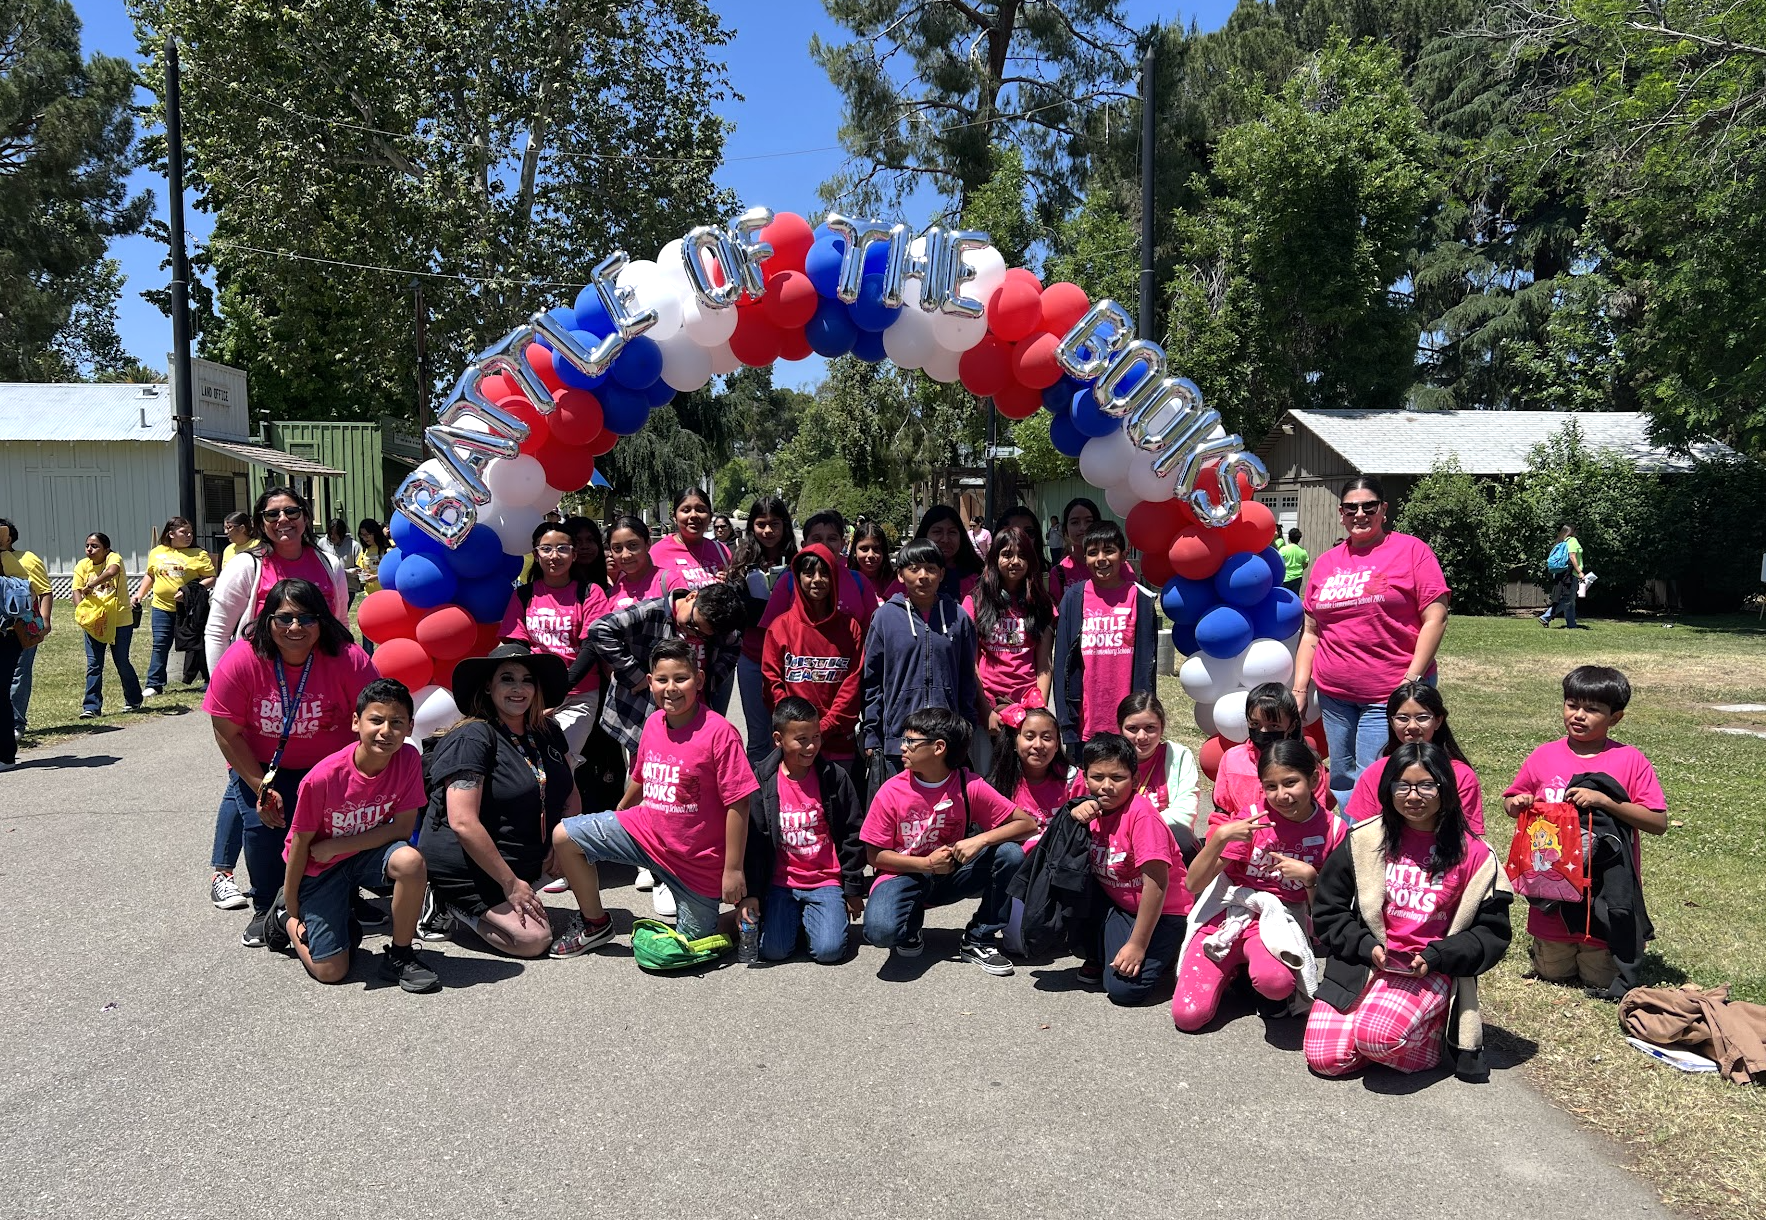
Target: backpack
point(18, 611)
point(1548, 859)
point(1559, 559)
point(1056, 887)
point(656, 946)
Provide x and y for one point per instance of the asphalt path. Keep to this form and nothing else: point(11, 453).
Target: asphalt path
point(151, 1067)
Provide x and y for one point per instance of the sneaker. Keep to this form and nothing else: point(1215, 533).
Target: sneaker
point(663, 899)
point(646, 880)
point(1091, 975)
point(87, 714)
point(556, 885)
point(148, 692)
point(435, 922)
point(402, 964)
point(276, 938)
point(132, 707)
point(580, 937)
point(366, 913)
point(1544, 622)
point(253, 936)
point(987, 956)
point(223, 891)
point(1269, 1009)
point(910, 946)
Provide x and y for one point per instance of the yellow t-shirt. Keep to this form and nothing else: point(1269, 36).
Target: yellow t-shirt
point(172, 569)
point(368, 567)
point(230, 554)
point(26, 566)
point(112, 594)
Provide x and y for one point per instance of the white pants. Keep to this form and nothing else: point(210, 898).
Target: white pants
point(575, 718)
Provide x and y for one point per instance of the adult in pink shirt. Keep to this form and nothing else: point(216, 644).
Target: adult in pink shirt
point(550, 614)
point(690, 558)
point(283, 548)
point(636, 579)
point(1416, 712)
point(1376, 608)
point(296, 669)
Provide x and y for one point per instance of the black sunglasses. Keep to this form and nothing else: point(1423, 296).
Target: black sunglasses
point(1360, 508)
point(294, 620)
point(271, 514)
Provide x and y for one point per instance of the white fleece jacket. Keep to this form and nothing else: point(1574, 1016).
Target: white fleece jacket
point(229, 607)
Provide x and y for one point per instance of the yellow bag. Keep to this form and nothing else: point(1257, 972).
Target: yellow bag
point(92, 614)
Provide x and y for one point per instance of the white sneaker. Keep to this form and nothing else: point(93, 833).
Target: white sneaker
point(223, 891)
point(646, 879)
point(663, 899)
point(556, 885)
point(148, 692)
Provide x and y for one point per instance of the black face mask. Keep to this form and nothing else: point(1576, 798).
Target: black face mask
point(1262, 739)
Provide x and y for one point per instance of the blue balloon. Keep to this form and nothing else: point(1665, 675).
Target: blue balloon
point(509, 570)
point(623, 411)
point(565, 316)
point(876, 257)
point(1059, 397)
point(1065, 437)
point(638, 364)
point(426, 581)
point(1278, 618)
point(1278, 567)
point(831, 332)
point(1224, 632)
point(486, 600)
point(659, 394)
point(477, 555)
point(388, 571)
point(1186, 601)
point(822, 264)
point(1089, 418)
point(869, 312)
point(574, 377)
point(1183, 638)
point(868, 346)
point(1243, 580)
point(408, 537)
point(591, 314)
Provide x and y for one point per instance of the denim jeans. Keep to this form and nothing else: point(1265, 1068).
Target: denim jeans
point(263, 844)
point(20, 688)
point(1563, 599)
point(1355, 733)
point(602, 838)
point(897, 907)
point(820, 912)
point(1112, 931)
point(229, 836)
point(163, 621)
point(9, 656)
point(751, 687)
point(119, 655)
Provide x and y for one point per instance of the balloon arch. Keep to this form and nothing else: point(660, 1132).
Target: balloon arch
point(527, 420)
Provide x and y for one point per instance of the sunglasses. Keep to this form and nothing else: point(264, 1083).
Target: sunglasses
point(1360, 508)
point(272, 514)
point(294, 620)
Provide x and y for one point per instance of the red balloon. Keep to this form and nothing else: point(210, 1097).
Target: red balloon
point(791, 237)
point(498, 386)
point(790, 299)
point(794, 345)
point(541, 359)
point(1155, 567)
point(576, 419)
point(489, 635)
point(1018, 401)
point(1197, 553)
point(385, 616)
point(1153, 524)
point(1015, 308)
point(756, 341)
point(1316, 735)
point(603, 443)
point(1252, 530)
point(567, 467)
point(1063, 304)
point(1033, 360)
point(1209, 756)
point(444, 674)
point(404, 661)
point(448, 632)
point(539, 427)
point(986, 368)
point(1209, 481)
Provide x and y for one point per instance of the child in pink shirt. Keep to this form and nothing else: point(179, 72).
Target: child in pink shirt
point(1136, 864)
point(1107, 642)
point(1272, 715)
point(550, 614)
point(1595, 699)
point(1416, 712)
point(634, 578)
point(684, 815)
point(689, 558)
point(1014, 632)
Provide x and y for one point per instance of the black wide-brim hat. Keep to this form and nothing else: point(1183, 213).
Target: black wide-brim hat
point(474, 673)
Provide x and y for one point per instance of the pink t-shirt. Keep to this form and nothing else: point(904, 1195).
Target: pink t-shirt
point(806, 859)
point(1040, 800)
point(243, 689)
point(1006, 661)
point(1106, 642)
point(1124, 841)
point(691, 776)
point(1369, 609)
point(915, 818)
point(628, 590)
point(337, 800)
point(1547, 773)
point(272, 568)
point(1364, 802)
point(554, 622)
point(689, 567)
point(1420, 906)
point(1248, 863)
point(1071, 570)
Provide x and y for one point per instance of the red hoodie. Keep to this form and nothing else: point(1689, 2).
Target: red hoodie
point(817, 658)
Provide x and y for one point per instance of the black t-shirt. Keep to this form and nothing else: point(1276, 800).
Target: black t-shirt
point(510, 807)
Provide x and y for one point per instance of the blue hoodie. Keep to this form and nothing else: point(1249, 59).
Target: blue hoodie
point(913, 662)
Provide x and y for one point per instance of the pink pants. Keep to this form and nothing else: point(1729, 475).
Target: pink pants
point(1201, 979)
point(1398, 1022)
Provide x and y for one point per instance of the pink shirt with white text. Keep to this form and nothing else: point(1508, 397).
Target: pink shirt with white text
point(690, 777)
point(806, 857)
point(1369, 608)
point(1122, 843)
point(1106, 642)
point(915, 818)
point(553, 622)
point(1420, 904)
point(337, 800)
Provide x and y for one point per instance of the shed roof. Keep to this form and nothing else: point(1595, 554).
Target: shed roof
point(72, 411)
point(1485, 442)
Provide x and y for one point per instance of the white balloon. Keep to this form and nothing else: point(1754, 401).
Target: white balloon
point(1267, 661)
point(1229, 716)
point(898, 345)
point(685, 365)
point(1205, 718)
point(942, 364)
point(436, 710)
point(707, 327)
point(989, 266)
point(519, 481)
point(512, 524)
point(654, 290)
point(723, 360)
point(1148, 485)
point(546, 503)
point(1121, 500)
point(1104, 460)
point(1313, 715)
point(957, 333)
point(669, 257)
point(1203, 679)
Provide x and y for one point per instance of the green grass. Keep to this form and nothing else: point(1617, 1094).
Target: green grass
point(58, 684)
point(1697, 1138)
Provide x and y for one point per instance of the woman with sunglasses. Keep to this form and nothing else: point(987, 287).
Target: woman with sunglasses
point(281, 699)
point(283, 547)
point(1376, 609)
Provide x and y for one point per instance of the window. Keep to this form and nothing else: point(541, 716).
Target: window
point(220, 496)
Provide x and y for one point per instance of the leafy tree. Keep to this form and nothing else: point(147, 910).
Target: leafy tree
point(65, 133)
point(1040, 461)
point(1454, 514)
point(735, 484)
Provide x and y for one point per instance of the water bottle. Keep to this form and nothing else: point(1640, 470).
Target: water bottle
point(747, 938)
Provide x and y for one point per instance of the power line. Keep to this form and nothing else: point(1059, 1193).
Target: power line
point(408, 271)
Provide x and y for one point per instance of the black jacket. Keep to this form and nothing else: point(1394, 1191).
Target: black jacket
point(1615, 911)
point(840, 805)
point(188, 628)
point(1056, 887)
point(1067, 691)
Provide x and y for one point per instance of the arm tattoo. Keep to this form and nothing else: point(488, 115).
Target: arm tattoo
point(467, 783)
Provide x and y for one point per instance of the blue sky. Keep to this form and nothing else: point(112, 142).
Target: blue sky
point(787, 106)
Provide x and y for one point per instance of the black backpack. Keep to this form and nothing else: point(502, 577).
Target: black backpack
point(1056, 887)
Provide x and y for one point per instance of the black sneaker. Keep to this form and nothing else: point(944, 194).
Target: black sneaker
point(368, 914)
point(910, 946)
point(402, 964)
point(1270, 1009)
point(435, 921)
point(276, 926)
point(1091, 975)
point(987, 956)
point(253, 936)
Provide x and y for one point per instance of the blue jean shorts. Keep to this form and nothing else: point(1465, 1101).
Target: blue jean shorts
point(602, 838)
point(325, 899)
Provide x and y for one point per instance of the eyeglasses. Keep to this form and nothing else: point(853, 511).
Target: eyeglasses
point(1360, 508)
point(554, 548)
point(910, 743)
point(696, 628)
point(294, 620)
point(271, 514)
point(1422, 719)
point(1427, 787)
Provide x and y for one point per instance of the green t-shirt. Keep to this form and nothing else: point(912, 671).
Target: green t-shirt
point(1295, 557)
point(1575, 551)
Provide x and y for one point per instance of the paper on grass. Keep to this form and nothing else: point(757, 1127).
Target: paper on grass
point(1685, 1061)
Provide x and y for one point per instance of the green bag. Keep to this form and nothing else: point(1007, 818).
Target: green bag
point(656, 946)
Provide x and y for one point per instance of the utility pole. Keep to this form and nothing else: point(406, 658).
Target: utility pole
point(183, 406)
point(422, 332)
point(1149, 61)
point(987, 500)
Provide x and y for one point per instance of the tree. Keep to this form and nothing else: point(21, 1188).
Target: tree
point(490, 152)
point(1454, 513)
point(65, 134)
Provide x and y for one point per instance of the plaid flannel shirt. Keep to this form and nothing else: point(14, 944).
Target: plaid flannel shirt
point(622, 641)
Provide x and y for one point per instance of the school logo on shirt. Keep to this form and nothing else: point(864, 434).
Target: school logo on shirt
point(1353, 588)
point(355, 819)
point(1107, 866)
point(667, 789)
point(921, 831)
point(313, 717)
point(800, 830)
point(832, 670)
point(1105, 630)
point(549, 630)
point(1007, 633)
point(1411, 890)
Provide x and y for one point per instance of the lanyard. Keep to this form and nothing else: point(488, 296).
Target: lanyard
point(534, 756)
point(1146, 784)
point(290, 709)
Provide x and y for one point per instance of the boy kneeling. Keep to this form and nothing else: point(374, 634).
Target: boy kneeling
point(352, 828)
point(917, 837)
